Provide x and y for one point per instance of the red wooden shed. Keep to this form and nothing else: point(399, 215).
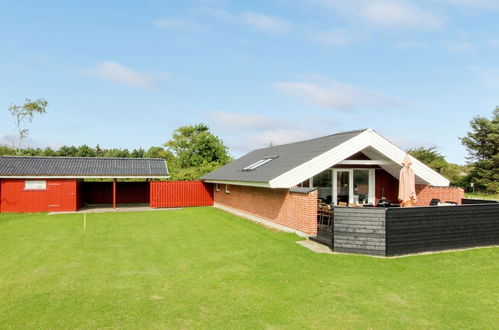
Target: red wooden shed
point(56, 184)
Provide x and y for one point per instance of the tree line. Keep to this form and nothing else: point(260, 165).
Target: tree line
point(194, 151)
point(191, 152)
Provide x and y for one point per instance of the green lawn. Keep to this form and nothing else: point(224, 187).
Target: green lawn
point(203, 268)
point(482, 196)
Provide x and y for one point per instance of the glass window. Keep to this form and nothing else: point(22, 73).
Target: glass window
point(35, 185)
point(360, 186)
point(342, 187)
point(323, 182)
point(259, 163)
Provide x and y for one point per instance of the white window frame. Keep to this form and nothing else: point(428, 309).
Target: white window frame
point(227, 191)
point(334, 192)
point(35, 185)
point(217, 186)
point(259, 163)
point(371, 184)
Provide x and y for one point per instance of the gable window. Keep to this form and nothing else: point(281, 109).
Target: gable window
point(35, 185)
point(227, 189)
point(217, 186)
point(259, 163)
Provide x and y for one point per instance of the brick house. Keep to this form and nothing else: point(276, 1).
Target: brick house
point(281, 184)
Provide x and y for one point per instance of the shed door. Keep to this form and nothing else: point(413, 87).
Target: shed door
point(56, 197)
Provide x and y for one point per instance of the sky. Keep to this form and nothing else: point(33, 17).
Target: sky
point(127, 73)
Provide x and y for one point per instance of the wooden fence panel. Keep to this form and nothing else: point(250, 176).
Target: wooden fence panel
point(420, 229)
point(181, 194)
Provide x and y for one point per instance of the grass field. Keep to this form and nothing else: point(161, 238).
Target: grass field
point(203, 268)
point(482, 196)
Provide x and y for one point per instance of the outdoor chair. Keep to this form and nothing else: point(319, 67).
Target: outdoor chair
point(434, 202)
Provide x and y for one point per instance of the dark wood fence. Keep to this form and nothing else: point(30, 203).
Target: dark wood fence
point(478, 201)
point(397, 231)
point(359, 230)
point(420, 229)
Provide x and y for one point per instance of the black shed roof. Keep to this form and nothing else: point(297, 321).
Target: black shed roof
point(16, 166)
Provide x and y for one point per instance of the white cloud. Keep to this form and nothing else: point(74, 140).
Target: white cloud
point(493, 42)
point(278, 136)
point(488, 76)
point(265, 23)
point(334, 37)
point(259, 21)
point(8, 139)
point(231, 121)
point(479, 4)
point(177, 23)
point(387, 13)
point(411, 44)
point(245, 132)
point(460, 46)
point(336, 95)
point(11, 140)
point(115, 72)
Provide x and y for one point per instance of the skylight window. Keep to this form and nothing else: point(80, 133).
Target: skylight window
point(259, 163)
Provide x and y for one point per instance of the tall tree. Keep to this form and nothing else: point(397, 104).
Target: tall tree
point(23, 113)
point(434, 159)
point(430, 156)
point(197, 151)
point(482, 143)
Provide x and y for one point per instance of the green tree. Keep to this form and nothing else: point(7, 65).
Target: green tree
point(117, 153)
point(482, 143)
point(431, 157)
point(48, 152)
point(137, 153)
point(85, 151)
point(98, 151)
point(23, 113)
point(66, 151)
point(7, 151)
point(197, 151)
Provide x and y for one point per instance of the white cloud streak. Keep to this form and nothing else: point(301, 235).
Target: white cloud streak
point(251, 131)
point(336, 95)
point(176, 24)
point(478, 4)
point(387, 13)
point(118, 73)
point(488, 76)
point(265, 23)
point(259, 21)
point(334, 37)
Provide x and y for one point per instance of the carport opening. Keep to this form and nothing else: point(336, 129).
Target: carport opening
point(99, 193)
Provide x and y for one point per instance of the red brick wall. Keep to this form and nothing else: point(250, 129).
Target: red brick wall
point(296, 211)
point(426, 193)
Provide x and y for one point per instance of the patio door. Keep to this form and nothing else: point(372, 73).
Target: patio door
point(341, 186)
point(353, 186)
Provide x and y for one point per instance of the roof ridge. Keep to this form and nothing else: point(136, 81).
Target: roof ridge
point(317, 138)
point(70, 157)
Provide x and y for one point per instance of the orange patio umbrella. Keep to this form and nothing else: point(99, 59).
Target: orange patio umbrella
point(407, 183)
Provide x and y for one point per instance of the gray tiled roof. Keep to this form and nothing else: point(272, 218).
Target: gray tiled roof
point(81, 166)
point(288, 157)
